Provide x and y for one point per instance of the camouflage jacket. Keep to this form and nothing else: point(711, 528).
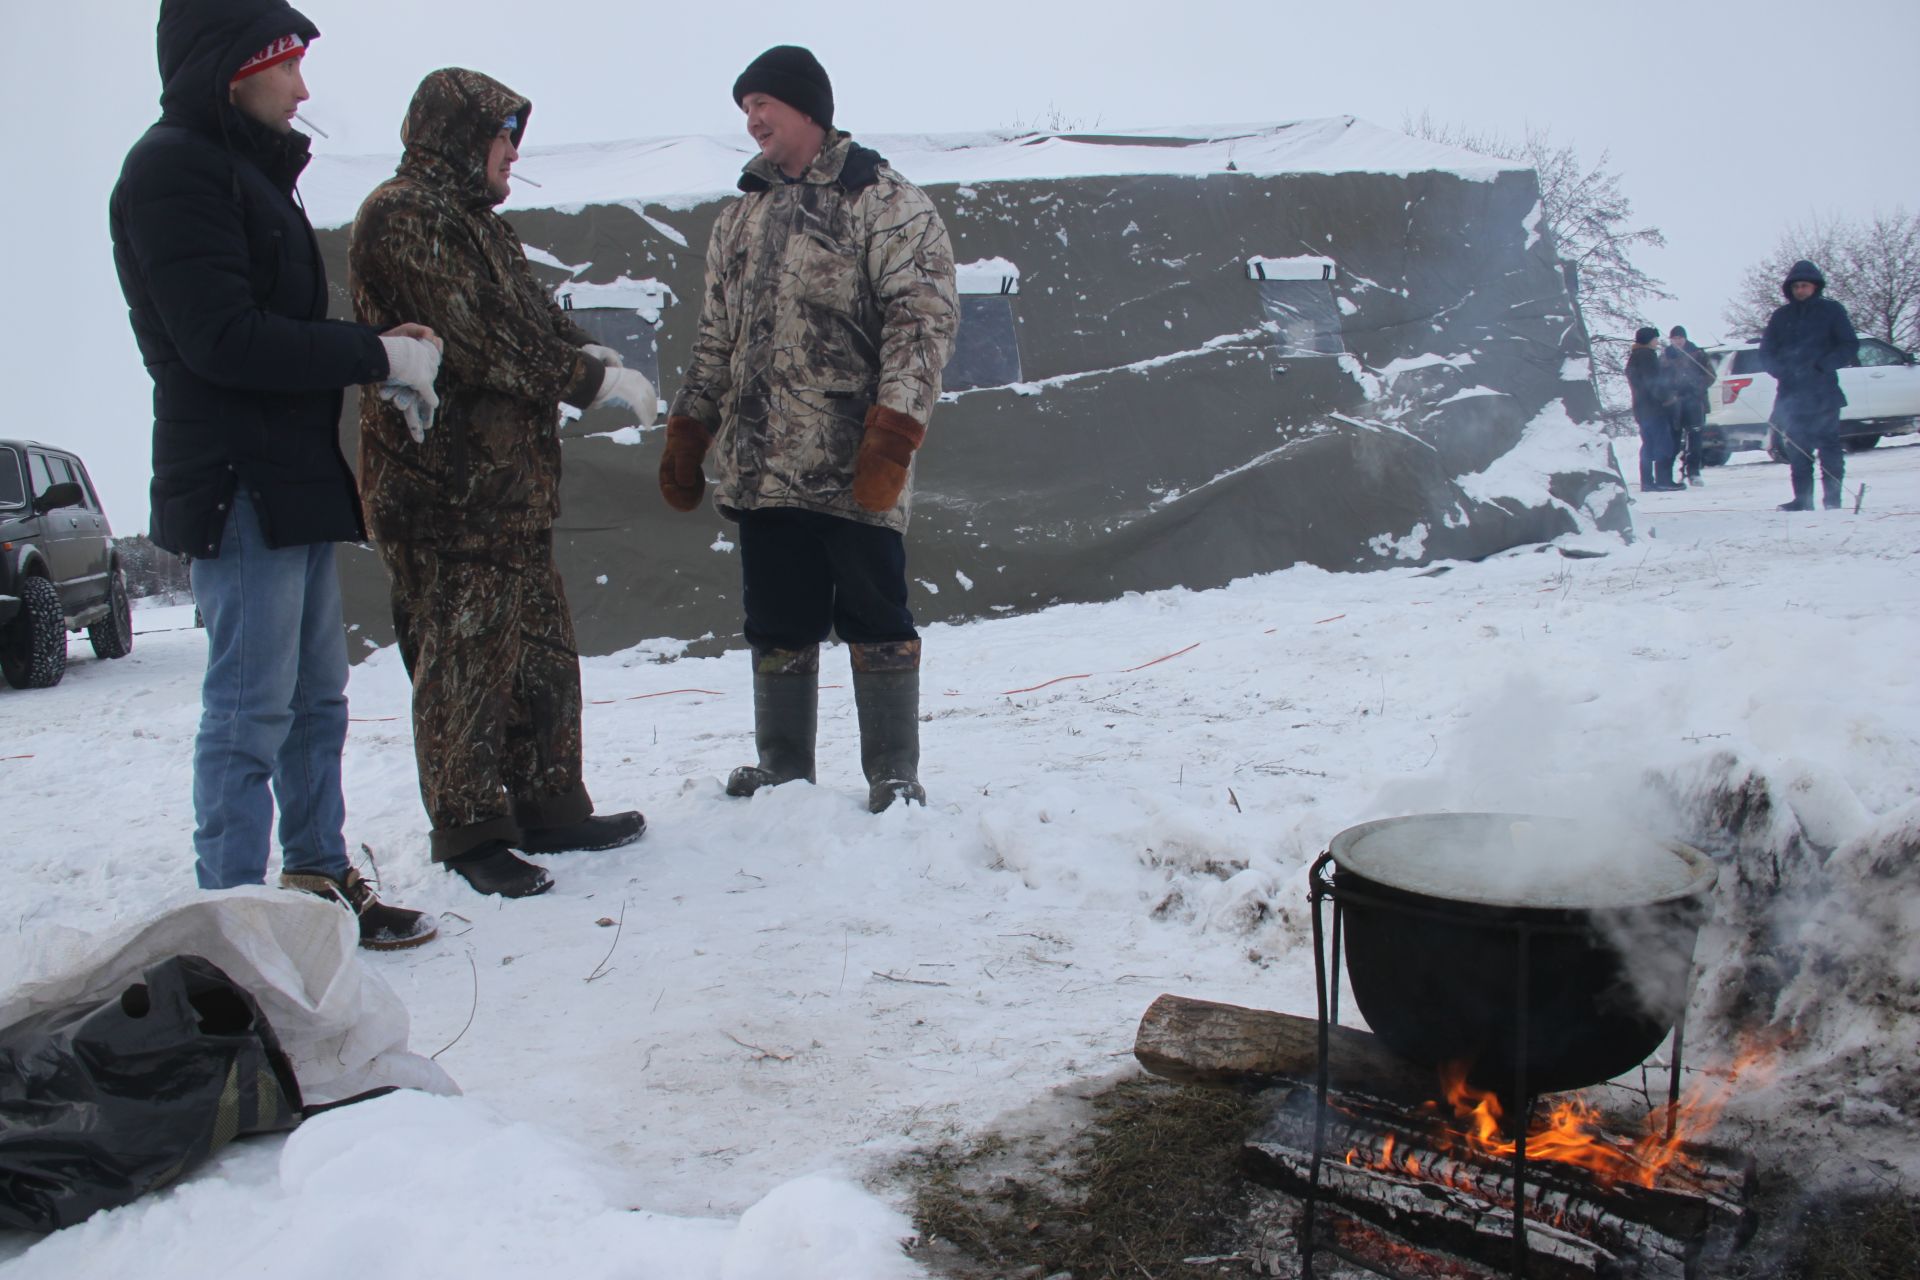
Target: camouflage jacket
point(427, 246)
point(824, 296)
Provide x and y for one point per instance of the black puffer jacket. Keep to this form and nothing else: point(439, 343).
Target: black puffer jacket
point(1643, 380)
point(228, 299)
point(1806, 344)
point(1687, 373)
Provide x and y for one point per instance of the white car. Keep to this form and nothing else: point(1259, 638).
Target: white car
point(1882, 390)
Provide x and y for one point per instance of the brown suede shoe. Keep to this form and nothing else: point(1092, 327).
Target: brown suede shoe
point(382, 927)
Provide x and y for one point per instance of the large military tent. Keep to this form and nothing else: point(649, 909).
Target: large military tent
point(1186, 355)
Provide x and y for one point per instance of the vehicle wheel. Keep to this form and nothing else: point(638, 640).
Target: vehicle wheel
point(1859, 444)
point(112, 636)
point(33, 647)
point(1714, 457)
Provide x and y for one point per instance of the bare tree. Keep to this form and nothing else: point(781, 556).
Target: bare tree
point(1590, 220)
point(1872, 268)
point(151, 571)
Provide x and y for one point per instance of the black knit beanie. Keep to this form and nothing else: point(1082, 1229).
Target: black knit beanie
point(795, 77)
point(1645, 334)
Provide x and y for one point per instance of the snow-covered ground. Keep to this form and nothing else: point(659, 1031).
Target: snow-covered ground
point(1125, 798)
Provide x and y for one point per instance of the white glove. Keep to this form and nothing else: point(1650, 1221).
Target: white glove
point(416, 410)
point(628, 388)
point(412, 365)
point(605, 355)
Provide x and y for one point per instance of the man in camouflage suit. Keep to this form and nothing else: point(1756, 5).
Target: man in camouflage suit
point(829, 315)
point(463, 514)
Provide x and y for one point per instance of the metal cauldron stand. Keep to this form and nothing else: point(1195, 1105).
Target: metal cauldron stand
point(1326, 976)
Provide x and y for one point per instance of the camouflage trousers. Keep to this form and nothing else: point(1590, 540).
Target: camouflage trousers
point(487, 637)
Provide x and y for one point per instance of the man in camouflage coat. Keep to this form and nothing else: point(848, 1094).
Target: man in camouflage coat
point(463, 514)
point(829, 315)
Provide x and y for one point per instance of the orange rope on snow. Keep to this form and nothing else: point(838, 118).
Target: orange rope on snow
point(27, 756)
point(1088, 675)
point(1157, 661)
point(1336, 617)
point(1085, 675)
point(664, 693)
point(370, 719)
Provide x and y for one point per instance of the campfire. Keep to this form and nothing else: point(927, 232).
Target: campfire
point(1571, 1130)
point(1411, 1157)
point(1415, 1176)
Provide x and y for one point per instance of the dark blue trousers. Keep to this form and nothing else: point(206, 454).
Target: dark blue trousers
point(805, 574)
point(1810, 434)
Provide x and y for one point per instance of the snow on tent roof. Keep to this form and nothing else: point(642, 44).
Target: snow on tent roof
point(643, 296)
point(688, 171)
point(988, 275)
point(1305, 268)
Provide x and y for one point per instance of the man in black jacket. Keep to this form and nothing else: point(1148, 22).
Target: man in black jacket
point(1806, 344)
point(1687, 373)
point(228, 300)
point(1652, 411)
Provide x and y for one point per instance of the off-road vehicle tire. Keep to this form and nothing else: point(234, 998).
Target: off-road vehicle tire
point(112, 636)
point(33, 647)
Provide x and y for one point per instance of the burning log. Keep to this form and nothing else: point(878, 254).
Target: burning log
point(1691, 1200)
point(1423, 1212)
point(1624, 1218)
point(1202, 1042)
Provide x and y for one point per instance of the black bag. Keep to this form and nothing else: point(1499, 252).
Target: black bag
point(102, 1103)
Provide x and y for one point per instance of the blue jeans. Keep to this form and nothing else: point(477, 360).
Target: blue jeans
point(273, 708)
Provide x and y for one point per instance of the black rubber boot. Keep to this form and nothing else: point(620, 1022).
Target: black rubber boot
point(886, 691)
point(493, 868)
point(1802, 492)
point(596, 831)
point(1832, 491)
point(786, 717)
point(382, 927)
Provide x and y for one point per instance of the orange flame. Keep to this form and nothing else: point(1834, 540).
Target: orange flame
point(1569, 1133)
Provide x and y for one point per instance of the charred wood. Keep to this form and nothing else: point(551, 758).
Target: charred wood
point(1377, 1250)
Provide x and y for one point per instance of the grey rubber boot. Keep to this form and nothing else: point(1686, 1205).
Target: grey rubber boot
point(886, 691)
point(786, 714)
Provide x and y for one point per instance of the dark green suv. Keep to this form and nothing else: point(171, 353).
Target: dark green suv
point(59, 570)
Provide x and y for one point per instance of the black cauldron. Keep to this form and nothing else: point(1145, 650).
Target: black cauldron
point(1468, 935)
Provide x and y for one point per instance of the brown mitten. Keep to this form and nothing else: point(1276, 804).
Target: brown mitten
point(682, 482)
point(880, 468)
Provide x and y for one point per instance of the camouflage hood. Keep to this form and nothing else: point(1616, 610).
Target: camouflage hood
point(450, 126)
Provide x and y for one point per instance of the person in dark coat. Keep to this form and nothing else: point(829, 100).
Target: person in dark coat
point(1806, 344)
point(1650, 411)
point(1687, 374)
point(228, 300)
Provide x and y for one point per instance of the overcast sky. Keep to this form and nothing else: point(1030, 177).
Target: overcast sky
point(1726, 122)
